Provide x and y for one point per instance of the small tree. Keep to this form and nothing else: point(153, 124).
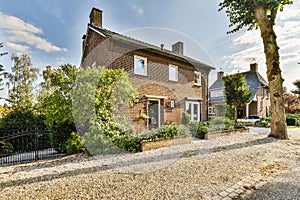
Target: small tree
point(56, 102)
point(291, 103)
point(21, 83)
point(2, 71)
point(236, 91)
point(297, 84)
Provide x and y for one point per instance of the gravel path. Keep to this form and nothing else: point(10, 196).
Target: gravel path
point(200, 170)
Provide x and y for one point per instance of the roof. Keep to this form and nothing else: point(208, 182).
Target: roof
point(140, 44)
point(253, 79)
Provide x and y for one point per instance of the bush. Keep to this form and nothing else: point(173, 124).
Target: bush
point(186, 118)
point(74, 144)
point(293, 119)
point(60, 134)
point(6, 147)
point(265, 122)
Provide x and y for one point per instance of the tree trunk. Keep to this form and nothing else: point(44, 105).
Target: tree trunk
point(278, 124)
point(235, 113)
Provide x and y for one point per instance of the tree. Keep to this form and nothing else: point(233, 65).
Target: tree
point(2, 71)
point(297, 84)
point(262, 14)
point(236, 91)
point(56, 103)
point(21, 83)
point(291, 103)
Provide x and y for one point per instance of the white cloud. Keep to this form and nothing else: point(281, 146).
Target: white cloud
point(249, 45)
point(16, 30)
point(137, 9)
point(18, 47)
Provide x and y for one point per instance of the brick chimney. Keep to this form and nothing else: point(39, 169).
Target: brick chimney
point(220, 74)
point(178, 48)
point(254, 67)
point(96, 17)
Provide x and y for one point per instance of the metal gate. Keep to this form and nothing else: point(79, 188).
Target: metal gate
point(25, 146)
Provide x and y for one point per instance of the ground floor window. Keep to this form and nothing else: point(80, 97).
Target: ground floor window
point(193, 108)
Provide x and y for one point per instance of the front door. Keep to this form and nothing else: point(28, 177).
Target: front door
point(154, 113)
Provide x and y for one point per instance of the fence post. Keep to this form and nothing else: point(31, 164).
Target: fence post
point(36, 144)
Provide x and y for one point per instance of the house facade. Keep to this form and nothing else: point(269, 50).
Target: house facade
point(168, 82)
point(259, 103)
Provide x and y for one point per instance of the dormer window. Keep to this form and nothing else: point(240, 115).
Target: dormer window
point(197, 78)
point(173, 73)
point(140, 65)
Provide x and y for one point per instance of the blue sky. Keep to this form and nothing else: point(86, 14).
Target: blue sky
point(51, 31)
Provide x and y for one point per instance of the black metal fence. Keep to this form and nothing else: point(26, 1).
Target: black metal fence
point(25, 146)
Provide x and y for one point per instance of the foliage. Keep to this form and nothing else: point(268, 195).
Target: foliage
point(241, 12)
point(237, 91)
point(98, 139)
point(2, 71)
point(56, 103)
point(20, 120)
point(229, 112)
point(295, 117)
point(198, 129)
point(21, 82)
point(166, 131)
point(74, 144)
point(6, 147)
point(265, 122)
point(220, 124)
point(291, 103)
point(101, 95)
point(186, 118)
point(297, 84)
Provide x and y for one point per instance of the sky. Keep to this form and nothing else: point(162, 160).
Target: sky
point(51, 32)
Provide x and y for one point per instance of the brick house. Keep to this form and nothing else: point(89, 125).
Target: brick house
point(167, 81)
point(260, 102)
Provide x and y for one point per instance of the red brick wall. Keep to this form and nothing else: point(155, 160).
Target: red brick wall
point(117, 55)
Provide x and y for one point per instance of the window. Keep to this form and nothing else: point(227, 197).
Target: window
point(197, 78)
point(193, 108)
point(173, 73)
point(140, 65)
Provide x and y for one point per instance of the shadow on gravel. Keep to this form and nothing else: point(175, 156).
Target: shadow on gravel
point(149, 159)
point(278, 191)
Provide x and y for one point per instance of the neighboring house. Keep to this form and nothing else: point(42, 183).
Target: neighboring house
point(168, 82)
point(260, 102)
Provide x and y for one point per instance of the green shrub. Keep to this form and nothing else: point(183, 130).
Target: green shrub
point(295, 117)
point(74, 144)
point(264, 122)
point(6, 147)
point(239, 125)
point(129, 143)
point(98, 139)
point(186, 118)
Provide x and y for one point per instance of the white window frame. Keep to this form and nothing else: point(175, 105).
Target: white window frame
point(145, 65)
point(192, 110)
point(198, 73)
point(175, 79)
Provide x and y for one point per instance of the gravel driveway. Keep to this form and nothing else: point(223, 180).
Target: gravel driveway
point(203, 169)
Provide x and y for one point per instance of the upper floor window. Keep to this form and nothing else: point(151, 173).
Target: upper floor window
point(140, 65)
point(173, 73)
point(197, 78)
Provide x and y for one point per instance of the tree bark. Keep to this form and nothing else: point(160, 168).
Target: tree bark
point(271, 49)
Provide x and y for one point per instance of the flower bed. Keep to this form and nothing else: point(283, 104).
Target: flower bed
point(147, 145)
point(211, 135)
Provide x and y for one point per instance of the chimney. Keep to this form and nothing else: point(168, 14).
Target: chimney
point(220, 74)
point(96, 17)
point(177, 48)
point(254, 67)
